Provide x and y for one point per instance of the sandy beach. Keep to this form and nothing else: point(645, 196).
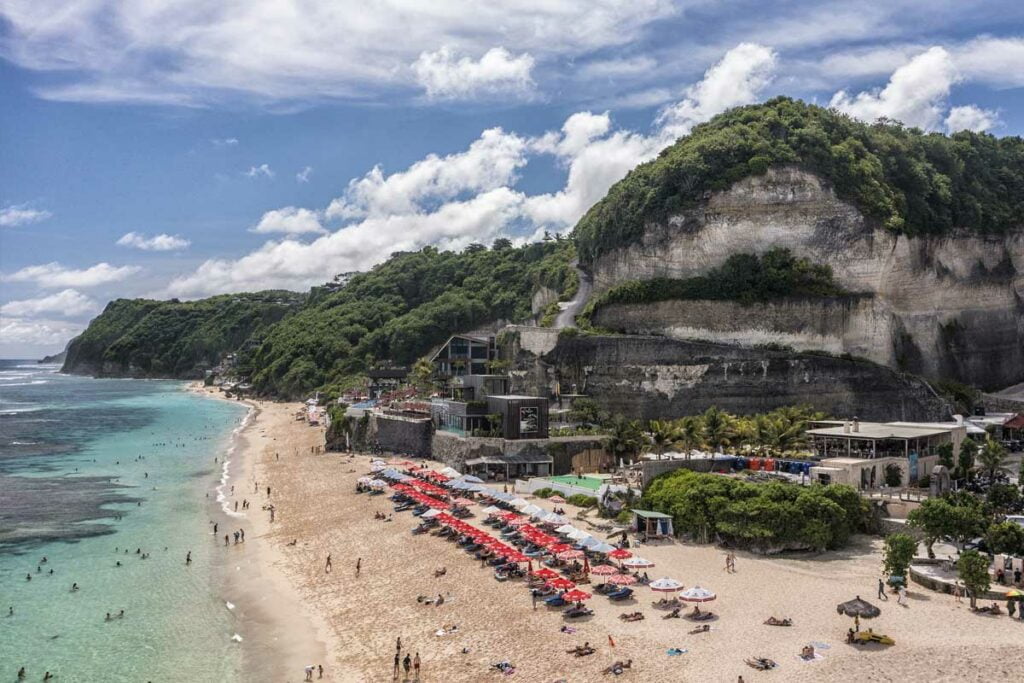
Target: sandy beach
point(350, 623)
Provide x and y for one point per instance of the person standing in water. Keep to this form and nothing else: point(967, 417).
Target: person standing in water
point(188, 558)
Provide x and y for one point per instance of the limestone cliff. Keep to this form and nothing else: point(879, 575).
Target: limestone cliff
point(653, 377)
point(949, 306)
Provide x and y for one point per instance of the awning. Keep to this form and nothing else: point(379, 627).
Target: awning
point(647, 514)
point(512, 459)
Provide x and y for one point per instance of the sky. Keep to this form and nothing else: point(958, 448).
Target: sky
point(183, 148)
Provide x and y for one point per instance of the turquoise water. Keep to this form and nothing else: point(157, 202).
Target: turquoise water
point(89, 468)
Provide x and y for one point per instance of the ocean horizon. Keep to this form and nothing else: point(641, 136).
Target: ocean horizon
point(113, 482)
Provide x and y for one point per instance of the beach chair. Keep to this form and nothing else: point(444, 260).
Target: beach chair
point(555, 601)
point(623, 593)
point(578, 612)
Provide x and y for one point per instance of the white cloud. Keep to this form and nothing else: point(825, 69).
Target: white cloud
point(263, 170)
point(20, 337)
point(469, 196)
point(446, 75)
point(617, 68)
point(52, 275)
point(916, 94)
point(290, 220)
point(161, 242)
point(20, 214)
point(971, 117)
point(68, 302)
point(195, 51)
point(737, 79)
point(224, 142)
point(996, 61)
point(303, 175)
point(490, 162)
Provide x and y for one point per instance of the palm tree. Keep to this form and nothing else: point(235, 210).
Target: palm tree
point(690, 431)
point(423, 372)
point(626, 439)
point(664, 435)
point(719, 427)
point(991, 457)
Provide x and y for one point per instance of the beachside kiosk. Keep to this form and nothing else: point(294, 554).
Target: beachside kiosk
point(652, 524)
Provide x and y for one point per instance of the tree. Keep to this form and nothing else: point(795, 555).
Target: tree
point(719, 427)
point(973, 570)
point(690, 430)
point(423, 373)
point(627, 438)
point(1005, 538)
point(664, 435)
point(991, 457)
point(1002, 497)
point(585, 411)
point(899, 552)
point(965, 459)
point(934, 518)
point(945, 453)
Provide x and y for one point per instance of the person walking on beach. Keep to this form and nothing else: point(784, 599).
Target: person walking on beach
point(398, 659)
point(359, 567)
point(309, 673)
point(188, 558)
point(407, 664)
point(241, 533)
point(881, 591)
point(327, 567)
point(901, 598)
point(416, 666)
point(958, 594)
point(319, 670)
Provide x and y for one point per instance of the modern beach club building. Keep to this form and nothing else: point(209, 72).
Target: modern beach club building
point(869, 455)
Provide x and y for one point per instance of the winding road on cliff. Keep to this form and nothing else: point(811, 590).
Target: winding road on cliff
point(570, 309)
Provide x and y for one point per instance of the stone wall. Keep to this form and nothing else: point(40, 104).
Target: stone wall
point(455, 450)
point(653, 377)
point(956, 302)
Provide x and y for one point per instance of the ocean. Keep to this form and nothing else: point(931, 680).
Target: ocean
point(112, 481)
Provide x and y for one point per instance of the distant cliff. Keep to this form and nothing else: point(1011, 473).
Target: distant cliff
point(173, 339)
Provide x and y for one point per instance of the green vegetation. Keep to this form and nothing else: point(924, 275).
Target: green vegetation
point(175, 338)
point(545, 492)
point(582, 500)
point(759, 516)
point(899, 552)
point(910, 182)
point(991, 457)
point(1006, 538)
point(746, 278)
point(401, 309)
point(973, 569)
point(962, 396)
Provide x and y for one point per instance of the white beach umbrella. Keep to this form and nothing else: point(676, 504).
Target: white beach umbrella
point(531, 509)
point(378, 483)
point(518, 503)
point(601, 548)
point(378, 467)
point(451, 472)
point(433, 512)
point(637, 563)
point(471, 479)
point(492, 510)
point(666, 585)
point(377, 461)
point(578, 535)
point(553, 518)
point(565, 529)
point(697, 594)
point(589, 542)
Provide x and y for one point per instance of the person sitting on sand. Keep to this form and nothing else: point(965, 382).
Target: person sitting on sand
point(618, 667)
point(440, 600)
point(773, 621)
point(440, 572)
point(696, 611)
point(674, 614)
point(807, 652)
point(701, 629)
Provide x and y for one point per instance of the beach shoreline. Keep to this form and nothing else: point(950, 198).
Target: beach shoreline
point(280, 633)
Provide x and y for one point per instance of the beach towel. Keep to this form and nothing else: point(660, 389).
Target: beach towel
point(820, 646)
point(675, 652)
point(816, 658)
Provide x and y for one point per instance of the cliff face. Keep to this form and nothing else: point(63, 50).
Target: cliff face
point(652, 377)
point(944, 307)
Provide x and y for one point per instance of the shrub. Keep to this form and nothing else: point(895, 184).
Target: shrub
point(899, 552)
point(544, 492)
point(582, 500)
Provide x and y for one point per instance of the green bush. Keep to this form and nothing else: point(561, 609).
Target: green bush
point(545, 492)
point(582, 500)
point(906, 180)
point(757, 515)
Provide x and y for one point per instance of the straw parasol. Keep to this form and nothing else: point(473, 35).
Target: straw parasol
point(666, 585)
point(858, 608)
point(697, 594)
point(557, 499)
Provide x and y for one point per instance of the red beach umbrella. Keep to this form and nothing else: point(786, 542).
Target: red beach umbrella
point(545, 573)
point(560, 548)
point(576, 595)
point(621, 580)
point(561, 584)
point(620, 554)
point(603, 570)
point(570, 555)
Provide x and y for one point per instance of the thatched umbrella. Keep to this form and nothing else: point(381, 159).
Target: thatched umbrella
point(858, 608)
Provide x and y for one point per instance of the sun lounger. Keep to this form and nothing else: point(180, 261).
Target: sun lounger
point(621, 594)
point(577, 612)
point(555, 601)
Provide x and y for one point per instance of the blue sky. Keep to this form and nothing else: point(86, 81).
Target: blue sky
point(186, 148)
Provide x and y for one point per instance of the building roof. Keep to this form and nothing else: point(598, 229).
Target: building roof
point(1015, 422)
point(883, 430)
point(648, 514)
point(971, 428)
point(514, 397)
point(511, 459)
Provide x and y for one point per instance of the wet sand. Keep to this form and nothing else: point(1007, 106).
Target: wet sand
point(358, 618)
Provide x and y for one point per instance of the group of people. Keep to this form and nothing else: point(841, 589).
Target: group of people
point(408, 663)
